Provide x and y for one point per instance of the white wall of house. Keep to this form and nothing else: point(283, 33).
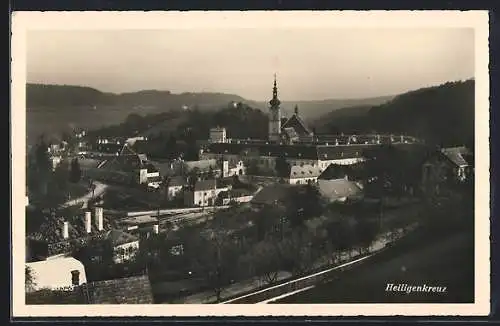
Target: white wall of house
point(269, 161)
point(242, 199)
point(152, 174)
point(202, 198)
point(302, 181)
point(125, 252)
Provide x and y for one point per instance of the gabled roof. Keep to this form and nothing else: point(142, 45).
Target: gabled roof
point(337, 189)
point(209, 184)
point(337, 171)
point(202, 165)
point(302, 151)
point(298, 124)
point(305, 171)
point(272, 194)
point(118, 237)
point(290, 133)
point(456, 155)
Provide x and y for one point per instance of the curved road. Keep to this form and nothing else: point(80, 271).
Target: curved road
point(100, 188)
point(448, 262)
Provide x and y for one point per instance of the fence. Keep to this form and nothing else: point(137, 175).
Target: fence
point(295, 285)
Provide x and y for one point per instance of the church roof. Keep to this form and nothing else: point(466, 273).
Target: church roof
point(298, 124)
point(307, 152)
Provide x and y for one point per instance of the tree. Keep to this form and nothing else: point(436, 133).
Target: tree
point(267, 258)
point(75, 173)
point(341, 233)
point(303, 203)
point(367, 231)
point(30, 282)
point(282, 167)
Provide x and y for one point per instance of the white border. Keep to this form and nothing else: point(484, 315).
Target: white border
point(478, 20)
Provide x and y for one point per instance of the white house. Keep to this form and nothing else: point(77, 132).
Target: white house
point(125, 245)
point(57, 272)
point(204, 193)
point(303, 174)
point(218, 135)
point(233, 167)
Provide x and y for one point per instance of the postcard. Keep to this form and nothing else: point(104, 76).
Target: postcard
point(261, 163)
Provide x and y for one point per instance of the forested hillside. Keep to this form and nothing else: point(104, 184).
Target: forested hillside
point(442, 115)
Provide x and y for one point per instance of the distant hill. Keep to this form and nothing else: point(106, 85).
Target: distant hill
point(311, 110)
point(65, 96)
point(441, 115)
point(52, 109)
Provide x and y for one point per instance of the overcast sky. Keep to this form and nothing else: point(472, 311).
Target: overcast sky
point(311, 64)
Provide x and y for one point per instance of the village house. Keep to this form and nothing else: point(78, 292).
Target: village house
point(302, 174)
point(272, 195)
point(142, 224)
point(217, 135)
point(230, 168)
point(57, 272)
point(125, 246)
point(204, 193)
point(446, 166)
point(339, 190)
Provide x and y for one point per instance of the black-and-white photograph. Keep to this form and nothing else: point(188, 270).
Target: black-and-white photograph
point(252, 165)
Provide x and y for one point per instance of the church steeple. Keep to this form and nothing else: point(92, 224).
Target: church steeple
point(275, 102)
point(274, 115)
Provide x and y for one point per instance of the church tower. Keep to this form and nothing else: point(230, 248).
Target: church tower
point(274, 115)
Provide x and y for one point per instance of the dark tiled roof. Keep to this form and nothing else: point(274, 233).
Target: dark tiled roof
point(272, 194)
point(305, 171)
point(118, 237)
point(456, 155)
point(202, 165)
point(176, 181)
point(337, 171)
point(298, 125)
point(131, 290)
point(290, 133)
point(165, 168)
point(108, 148)
point(208, 185)
point(302, 151)
point(340, 188)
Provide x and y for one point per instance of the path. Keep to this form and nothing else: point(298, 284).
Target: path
point(100, 188)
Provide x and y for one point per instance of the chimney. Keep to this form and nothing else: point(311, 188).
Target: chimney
point(156, 229)
point(98, 218)
point(66, 230)
point(88, 221)
point(75, 277)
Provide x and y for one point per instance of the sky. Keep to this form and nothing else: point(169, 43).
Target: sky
point(311, 64)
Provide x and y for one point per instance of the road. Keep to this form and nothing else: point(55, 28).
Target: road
point(100, 188)
point(448, 262)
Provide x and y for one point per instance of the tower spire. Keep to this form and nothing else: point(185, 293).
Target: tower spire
point(275, 102)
